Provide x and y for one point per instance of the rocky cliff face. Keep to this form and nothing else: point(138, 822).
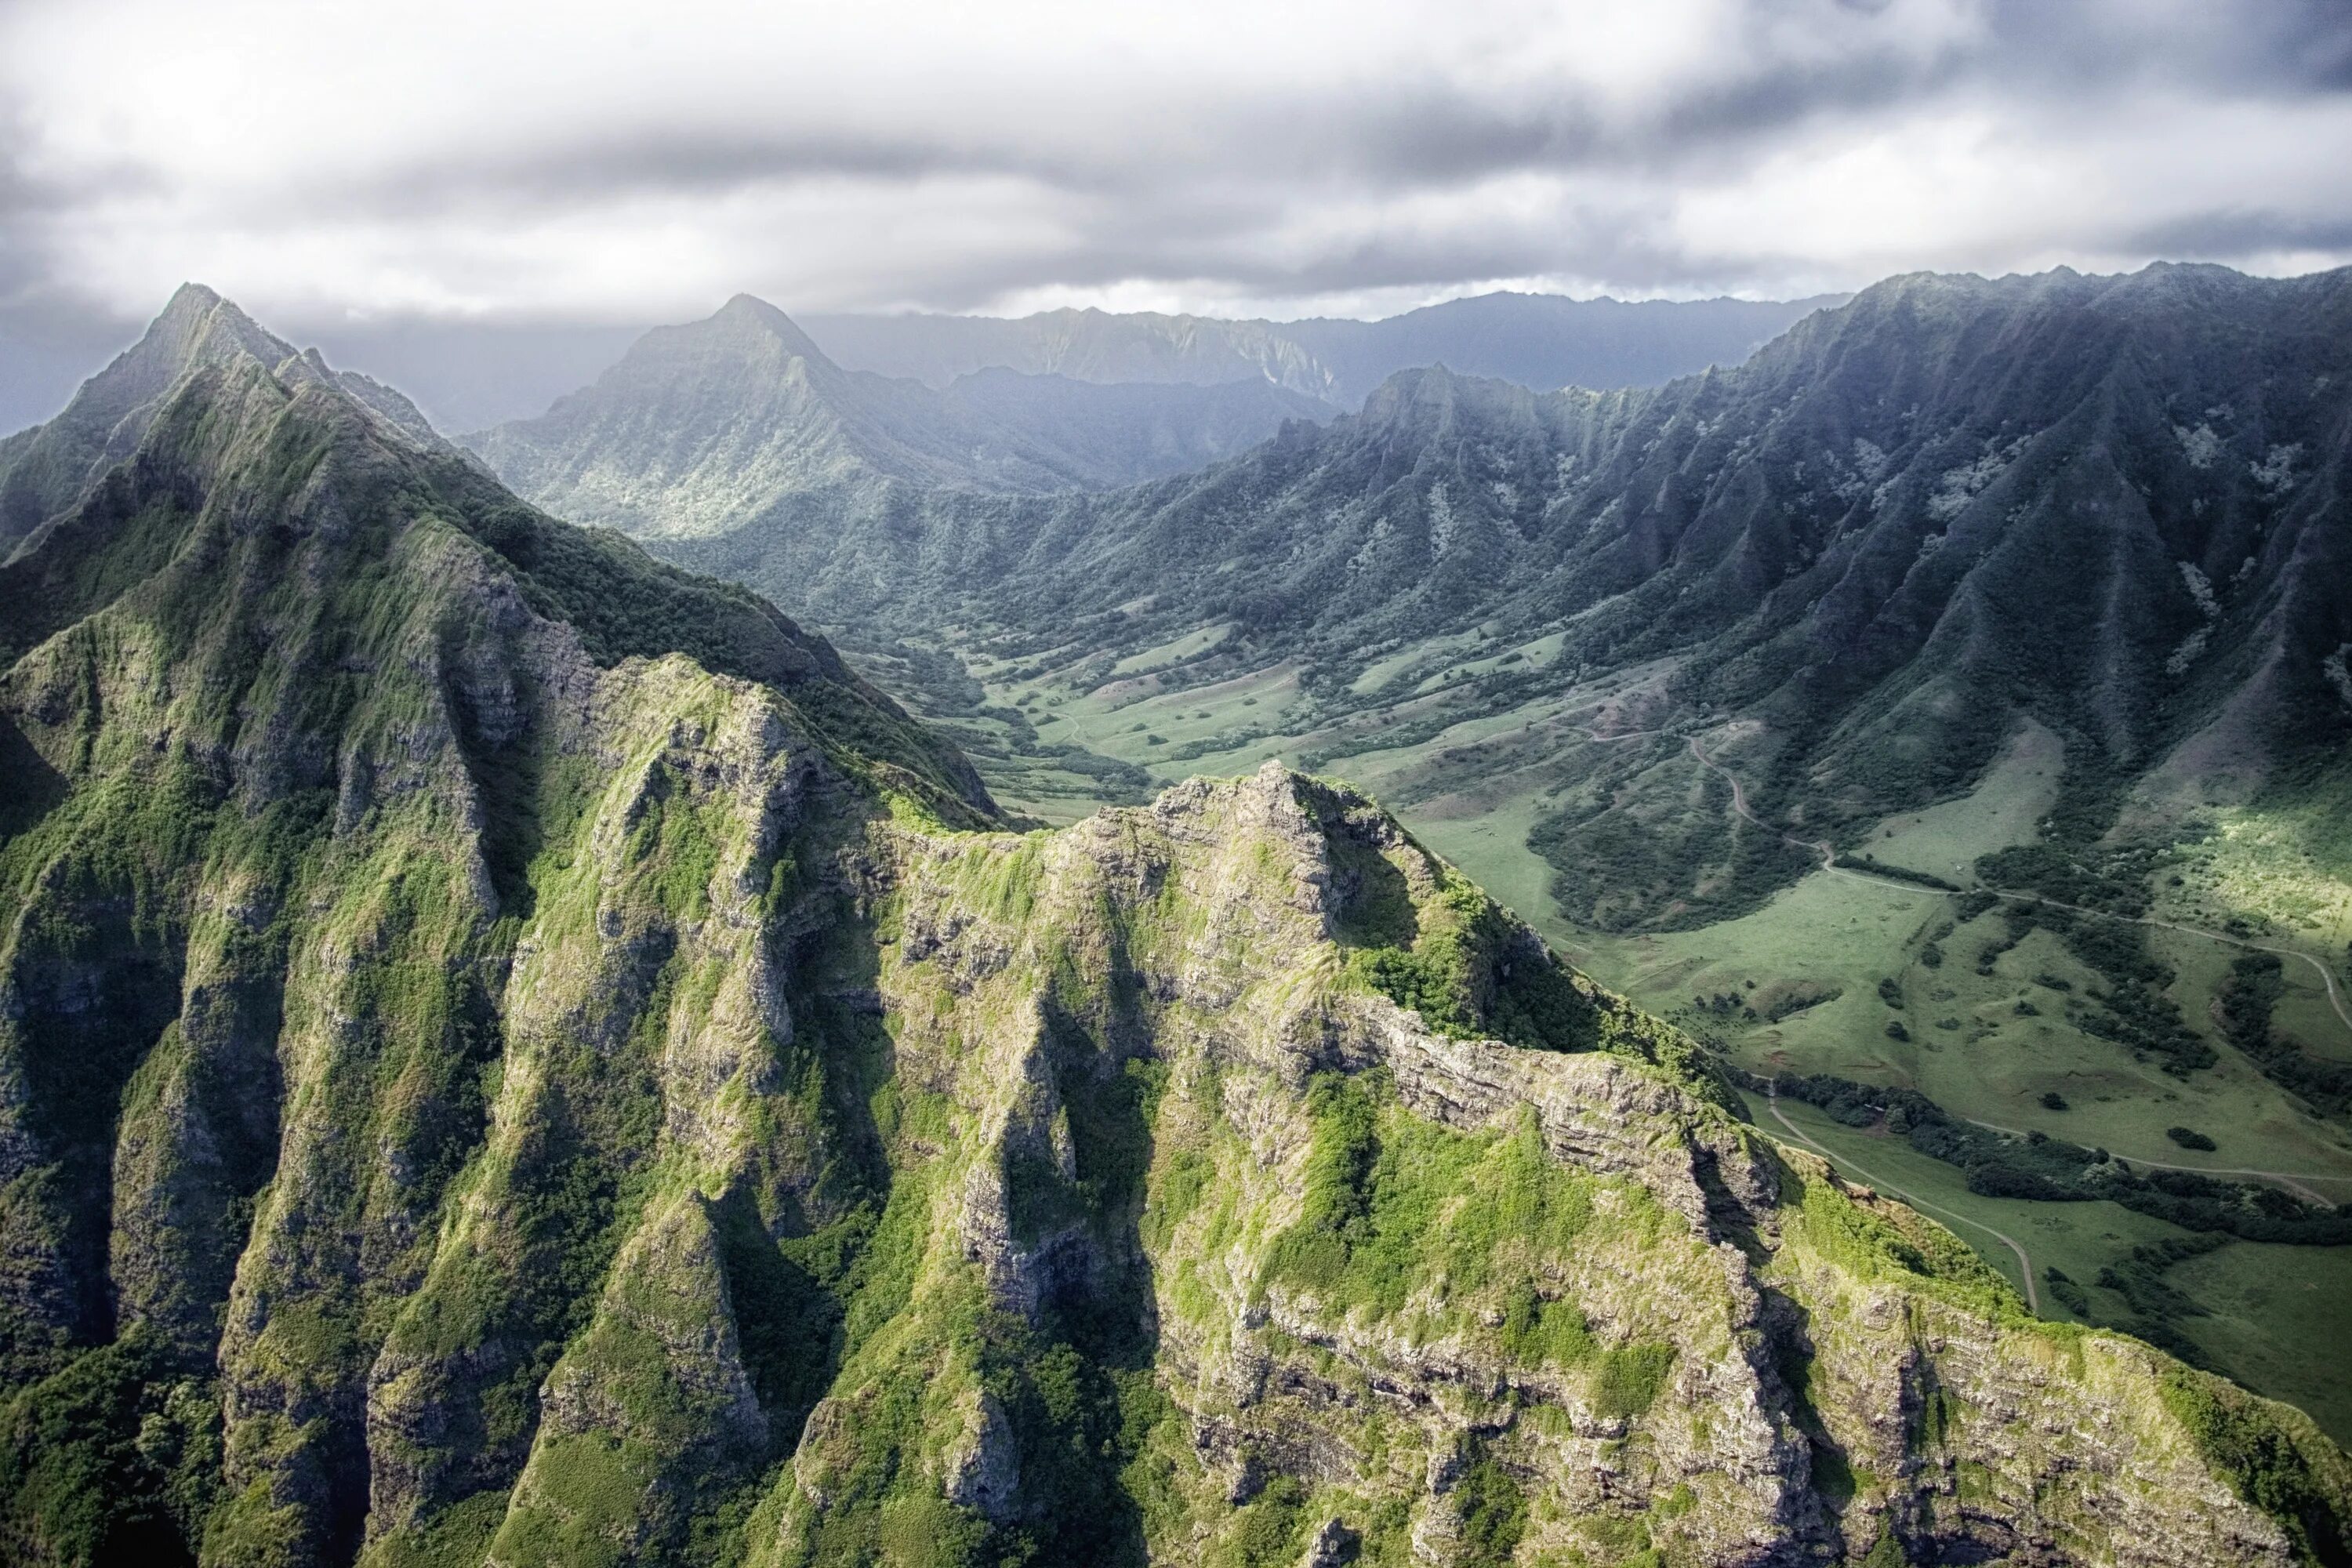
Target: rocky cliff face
point(1438, 1297)
point(512, 1055)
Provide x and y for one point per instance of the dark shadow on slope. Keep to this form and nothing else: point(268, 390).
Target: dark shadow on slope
point(1077, 1386)
point(502, 749)
point(96, 994)
point(95, 1463)
point(1792, 1344)
point(1371, 903)
point(121, 535)
point(803, 1275)
point(29, 788)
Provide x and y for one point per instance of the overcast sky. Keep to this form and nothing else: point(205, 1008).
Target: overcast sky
point(636, 162)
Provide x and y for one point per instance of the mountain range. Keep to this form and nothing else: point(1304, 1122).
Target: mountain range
point(1542, 341)
point(512, 1053)
point(2112, 505)
point(44, 466)
point(2061, 557)
point(472, 375)
point(700, 426)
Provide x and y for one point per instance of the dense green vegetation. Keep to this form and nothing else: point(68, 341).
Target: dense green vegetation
point(112, 1459)
point(1469, 974)
point(2265, 1454)
point(2246, 1004)
point(1494, 1514)
point(1614, 870)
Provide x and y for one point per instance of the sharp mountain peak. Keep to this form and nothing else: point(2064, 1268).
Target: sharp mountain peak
point(45, 469)
point(750, 315)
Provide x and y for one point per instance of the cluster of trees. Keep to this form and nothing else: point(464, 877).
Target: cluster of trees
point(2132, 1011)
point(2038, 1166)
point(2156, 1306)
point(2256, 982)
point(1871, 863)
point(1689, 868)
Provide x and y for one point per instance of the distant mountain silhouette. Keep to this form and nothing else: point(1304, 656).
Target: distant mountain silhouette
point(1542, 341)
point(702, 425)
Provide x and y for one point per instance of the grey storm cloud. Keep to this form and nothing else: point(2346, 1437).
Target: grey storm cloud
point(485, 162)
point(2228, 231)
point(1409, 132)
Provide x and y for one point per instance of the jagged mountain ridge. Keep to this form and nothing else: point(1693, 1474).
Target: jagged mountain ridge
point(1540, 340)
point(724, 417)
point(507, 1056)
point(44, 466)
point(473, 374)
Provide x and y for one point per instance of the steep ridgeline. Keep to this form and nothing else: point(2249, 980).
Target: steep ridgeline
point(1536, 340)
point(43, 468)
point(702, 424)
point(2115, 504)
point(510, 1055)
point(342, 797)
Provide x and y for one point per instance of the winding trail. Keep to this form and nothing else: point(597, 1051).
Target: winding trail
point(2024, 1264)
point(2326, 975)
point(2292, 1180)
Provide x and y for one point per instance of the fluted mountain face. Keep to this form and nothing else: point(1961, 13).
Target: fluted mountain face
point(726, 419)
point(1536, 340)
point(510, 1054)
point(2116, 504)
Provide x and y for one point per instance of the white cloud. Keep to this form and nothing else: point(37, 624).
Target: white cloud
point(599, 161)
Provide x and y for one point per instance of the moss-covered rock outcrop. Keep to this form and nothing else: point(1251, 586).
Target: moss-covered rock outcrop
point(512, 1055)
